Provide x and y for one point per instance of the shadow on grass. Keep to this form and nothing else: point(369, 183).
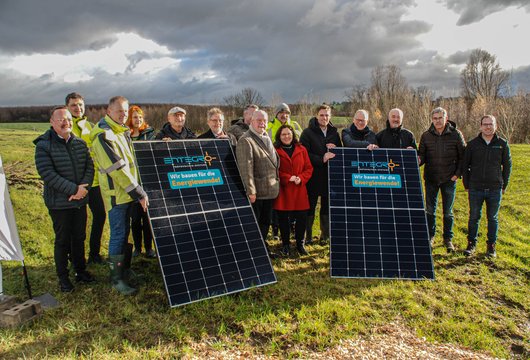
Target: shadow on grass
point(94, 317)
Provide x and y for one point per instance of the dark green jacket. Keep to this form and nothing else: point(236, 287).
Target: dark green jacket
point(62, 166)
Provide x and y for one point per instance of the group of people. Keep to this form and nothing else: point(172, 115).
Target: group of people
point(283, 168)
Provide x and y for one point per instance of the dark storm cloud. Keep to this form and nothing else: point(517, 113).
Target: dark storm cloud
point(476, 10)
point(285, 49)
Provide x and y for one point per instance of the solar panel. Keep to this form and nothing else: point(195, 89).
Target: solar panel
point(378, 227)
point(205, 231)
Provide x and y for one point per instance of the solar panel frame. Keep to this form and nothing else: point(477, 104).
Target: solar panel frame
point(364, 229)
point(206, 234)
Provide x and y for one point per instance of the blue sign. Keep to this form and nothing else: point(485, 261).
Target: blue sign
point(195, 178)
point(376, 181)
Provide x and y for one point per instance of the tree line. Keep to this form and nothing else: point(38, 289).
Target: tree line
point(484, 90)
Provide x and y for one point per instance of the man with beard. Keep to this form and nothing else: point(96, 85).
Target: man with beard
point(395, 136)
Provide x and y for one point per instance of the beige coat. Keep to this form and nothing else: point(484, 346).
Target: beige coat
point(258, 168)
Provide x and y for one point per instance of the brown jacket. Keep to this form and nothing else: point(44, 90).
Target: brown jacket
point(258, 167)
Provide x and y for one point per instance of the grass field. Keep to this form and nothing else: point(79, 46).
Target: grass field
point(476, 303)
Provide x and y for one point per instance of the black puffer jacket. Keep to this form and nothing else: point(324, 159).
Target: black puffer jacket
point(314, 141)
point(487, 166)
point(442, 154)
point(62, 166)
point(168, 132)
point(398, 138)
point(352, 137)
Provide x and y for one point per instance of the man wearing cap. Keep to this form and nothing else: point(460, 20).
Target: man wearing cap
point(258, 164)
point(119, 181)
point(240, 126)
point(174, 129)
point(65, 166)
point(283, 114)
point(81, 127)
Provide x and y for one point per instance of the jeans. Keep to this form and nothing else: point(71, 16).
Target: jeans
point(69, 226)
point(448, 190)
point(95, 203)
point(119, 221)
point(140, 227)
point(477, 197)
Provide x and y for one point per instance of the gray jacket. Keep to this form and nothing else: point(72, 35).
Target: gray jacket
point(258, 167)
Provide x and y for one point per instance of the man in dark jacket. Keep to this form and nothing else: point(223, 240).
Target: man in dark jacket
point(240, 126)
point(65, 166)
point(318, 138)
point(359, 135)
point(486, 172)
point(395, 136)
point(216, 119)
point(174, 129)
point(442, 151)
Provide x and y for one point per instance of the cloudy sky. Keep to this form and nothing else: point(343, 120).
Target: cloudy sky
point(201, 51)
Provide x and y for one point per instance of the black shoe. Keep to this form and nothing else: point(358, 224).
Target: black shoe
point(490, 252)
point(95, 259)
point(66, 285)
point(286, 251)
point(471, 247)
point(449, 246)
point(84, 277)
point(150, 253)
point(301, 250)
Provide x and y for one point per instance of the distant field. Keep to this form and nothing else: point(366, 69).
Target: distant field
point(25, 126)
point(475, 303)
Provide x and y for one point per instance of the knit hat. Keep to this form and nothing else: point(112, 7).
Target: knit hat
point(283, 107)
point(175, 110)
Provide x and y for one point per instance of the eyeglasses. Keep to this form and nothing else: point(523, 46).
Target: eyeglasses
point(360, 120)
point(63, 120)
point(487, 124)
point(438, 118)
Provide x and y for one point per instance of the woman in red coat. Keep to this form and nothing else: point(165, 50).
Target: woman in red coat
point(295, 172)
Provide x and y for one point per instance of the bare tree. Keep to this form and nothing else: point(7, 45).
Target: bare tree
point(389, 88)
point(483, 76)
point(358, 97)
point(245, 97)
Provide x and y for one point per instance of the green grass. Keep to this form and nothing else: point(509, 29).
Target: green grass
point(478, 303)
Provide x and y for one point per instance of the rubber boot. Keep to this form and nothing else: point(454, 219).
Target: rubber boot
point(116, 266)
point(324, 229)
point(129, 275)
point(309, 230)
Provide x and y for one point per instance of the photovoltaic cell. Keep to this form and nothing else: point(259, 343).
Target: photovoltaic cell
point(207, 237)
point(378, 226)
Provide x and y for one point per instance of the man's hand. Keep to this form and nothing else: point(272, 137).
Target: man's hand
point(80, 194)
point(330, 145)
point(454, 178)
point(252, 198)
point(144, 202)
point(327, 156)
point(372, 147)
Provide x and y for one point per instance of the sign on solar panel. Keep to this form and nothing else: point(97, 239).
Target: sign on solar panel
point(378, 227)
point(207, 237)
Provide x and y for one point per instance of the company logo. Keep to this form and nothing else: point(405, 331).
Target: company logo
point(199, 159)
point(375, 165)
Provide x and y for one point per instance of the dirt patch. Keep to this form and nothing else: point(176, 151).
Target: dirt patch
point(392, 341)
